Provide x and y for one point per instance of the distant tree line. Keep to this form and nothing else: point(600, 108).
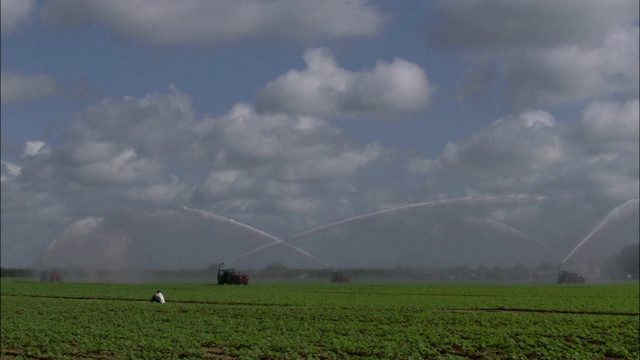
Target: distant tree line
point(542, 273)
point(10, 272)
point(625, 265)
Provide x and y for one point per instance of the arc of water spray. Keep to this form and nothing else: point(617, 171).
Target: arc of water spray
point(275, 239)
point(621, 210)
point(506, 228)
point(517, 198)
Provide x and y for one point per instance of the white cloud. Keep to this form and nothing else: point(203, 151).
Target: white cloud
point(14, 14)
point(207, 22)
point(278, 140)
point(389, 90)
point(510, 144)
point(299, 205)
point(32, 148)
point(496, 25)
point(129, 142)
point(33, 213)
point(264, 156)
point(332, 166)
point(122, 169)
point(89, 151)
point(546, 52)
point(9, 171)
point(609, 134)
point(533, 153)
point(124, 152)
point(16, 87)
point(159, 194)
point(617, 185)
point(133, 145)
point(606, 120)
point(571, 74)
point(284, 165)
point(228, 184)
point(281, 173)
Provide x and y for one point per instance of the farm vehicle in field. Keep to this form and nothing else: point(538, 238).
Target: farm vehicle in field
point(231, 276)
point(339, 277)
point(49, 275)
point(570, 277)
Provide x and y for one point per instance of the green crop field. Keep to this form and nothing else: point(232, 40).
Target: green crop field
point(313, 320)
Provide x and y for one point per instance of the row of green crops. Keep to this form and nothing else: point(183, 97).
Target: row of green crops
point(319, 321)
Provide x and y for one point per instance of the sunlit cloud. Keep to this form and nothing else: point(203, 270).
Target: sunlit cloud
point(210, 22)
point(389, 90)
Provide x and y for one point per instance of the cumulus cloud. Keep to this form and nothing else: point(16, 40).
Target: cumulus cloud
point(16, 87)
point(332, 165)
point(15, 13)
point(155, 123)
point(9, 170)
point(282, 173)
point(571, 74)
point(159, 194)
point(245, 137)
point(283, 166)
point(208, 22)
point(587, 167)
point(389, 90)
point(609, 123)
point(547, 52)
point(154, 151)
point(497, 25)
point(128, 141)
point(226, 184)
point(35, 147)
point(123, 168)
point(139, 141)
point(26, 196)
point(532, 152)
point(513, 154)
point(253, 153)
point(609, 135)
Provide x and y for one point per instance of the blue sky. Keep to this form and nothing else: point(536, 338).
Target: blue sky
point(287, 115)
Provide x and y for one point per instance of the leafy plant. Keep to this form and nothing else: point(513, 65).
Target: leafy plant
point(308, 320)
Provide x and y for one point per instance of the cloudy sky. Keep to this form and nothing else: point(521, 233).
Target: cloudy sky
point(131, 123)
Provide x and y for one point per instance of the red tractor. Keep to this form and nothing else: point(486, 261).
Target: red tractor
point(50, 276)
point(230, 276)
point(339, 277)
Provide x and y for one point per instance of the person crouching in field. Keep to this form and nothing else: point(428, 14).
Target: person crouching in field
point(157, 297)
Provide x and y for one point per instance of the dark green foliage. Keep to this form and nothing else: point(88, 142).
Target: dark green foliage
point(319, 320)
point(10, 272)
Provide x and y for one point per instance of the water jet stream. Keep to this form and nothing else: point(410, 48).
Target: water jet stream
point(275, 239)
point(282, 242)
point(507, 199)
point(510, 230)
point(619, 211)
point(231, 221)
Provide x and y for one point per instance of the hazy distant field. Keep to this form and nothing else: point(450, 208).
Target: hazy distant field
point(311, 320)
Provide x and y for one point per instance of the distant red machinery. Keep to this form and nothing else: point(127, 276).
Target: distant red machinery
point(231, 276)
point(339, 277)
point(50, 276)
